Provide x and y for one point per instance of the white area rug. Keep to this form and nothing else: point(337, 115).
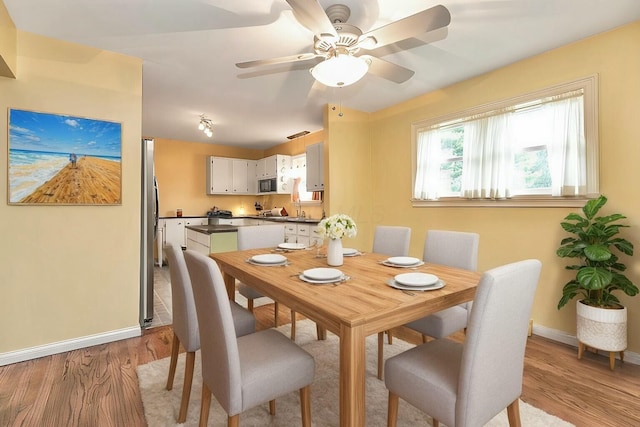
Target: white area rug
point(161, 406)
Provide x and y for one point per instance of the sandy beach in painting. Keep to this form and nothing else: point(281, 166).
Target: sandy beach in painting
point(94, 181)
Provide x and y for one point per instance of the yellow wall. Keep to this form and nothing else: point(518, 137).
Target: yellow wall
point(510, 234)
point(71, 271)
point(349, 189)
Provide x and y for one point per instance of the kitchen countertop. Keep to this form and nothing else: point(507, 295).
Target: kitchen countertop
point(227, 228)
point(283, 219)
point(210, 229)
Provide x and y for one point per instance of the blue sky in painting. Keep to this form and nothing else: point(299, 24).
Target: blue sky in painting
point(54, 133)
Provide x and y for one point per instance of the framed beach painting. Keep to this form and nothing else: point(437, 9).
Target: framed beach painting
point(57, 159)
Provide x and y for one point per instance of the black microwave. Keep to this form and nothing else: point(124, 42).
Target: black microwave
point(268, 185)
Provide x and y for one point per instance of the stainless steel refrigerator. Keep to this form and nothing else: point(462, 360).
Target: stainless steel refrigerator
point(148, 231)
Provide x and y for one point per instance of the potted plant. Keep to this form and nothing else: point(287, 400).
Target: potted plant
point(601, 318)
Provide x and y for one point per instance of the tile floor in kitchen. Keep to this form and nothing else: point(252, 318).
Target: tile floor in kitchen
point(162, 297)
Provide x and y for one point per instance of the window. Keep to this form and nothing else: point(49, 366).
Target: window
point(539, 147)
point(299, 179)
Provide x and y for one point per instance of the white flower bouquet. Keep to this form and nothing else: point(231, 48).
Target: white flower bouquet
point(337, 226)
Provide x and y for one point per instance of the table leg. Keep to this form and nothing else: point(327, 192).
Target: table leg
point(352, 376)
point(230, 284)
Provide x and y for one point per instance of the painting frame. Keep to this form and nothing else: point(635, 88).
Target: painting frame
point(61, 159)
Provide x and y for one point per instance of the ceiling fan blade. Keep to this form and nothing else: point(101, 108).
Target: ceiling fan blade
point(427, 20)
point(281, 60)
point(311, 15)
point(388, 70)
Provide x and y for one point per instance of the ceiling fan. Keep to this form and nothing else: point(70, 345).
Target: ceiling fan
point(341, 45)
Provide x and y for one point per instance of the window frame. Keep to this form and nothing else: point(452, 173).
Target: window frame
point(589, 86)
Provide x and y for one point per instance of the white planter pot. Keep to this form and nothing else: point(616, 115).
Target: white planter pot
point(602, 328)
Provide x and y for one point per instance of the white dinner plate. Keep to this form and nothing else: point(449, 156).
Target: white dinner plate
point(438, 285)
point(323, 282)
point(292, 246)
point(388, 264)
point(349, 252)
point(416, 279)
point(268, 259)
point(403, 260)
point(322, 273)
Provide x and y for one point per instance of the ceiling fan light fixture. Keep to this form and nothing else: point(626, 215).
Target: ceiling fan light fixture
point(340, 70)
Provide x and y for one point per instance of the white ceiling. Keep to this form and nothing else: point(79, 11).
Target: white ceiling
point(189, 48)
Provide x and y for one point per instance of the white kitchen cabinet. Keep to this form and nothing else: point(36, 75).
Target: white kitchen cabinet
point(227, 175)
point(219, 175)
point(252, 166)
point(172, 231)
point(304, 233)
point(276, 166)
point(239, 176)
point(267, 167)
point(315, 167)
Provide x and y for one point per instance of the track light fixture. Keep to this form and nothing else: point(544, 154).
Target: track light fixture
point(206, 125)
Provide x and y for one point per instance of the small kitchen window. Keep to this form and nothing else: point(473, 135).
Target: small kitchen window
point(299, 191)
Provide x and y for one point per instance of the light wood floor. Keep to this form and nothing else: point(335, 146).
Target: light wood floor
point(98, 386)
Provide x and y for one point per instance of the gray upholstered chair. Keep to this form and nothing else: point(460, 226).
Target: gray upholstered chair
point(393, 241)
point(467, 384)
point(246, 371)
point(185, 324)
point(256, 237)
point(454, 249)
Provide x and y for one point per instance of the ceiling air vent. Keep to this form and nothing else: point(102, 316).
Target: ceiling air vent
point(298, 135)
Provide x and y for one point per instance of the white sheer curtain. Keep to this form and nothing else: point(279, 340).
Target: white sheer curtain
point(428, 165)
point(567, 150)
point(487, 158)
point(489, 153)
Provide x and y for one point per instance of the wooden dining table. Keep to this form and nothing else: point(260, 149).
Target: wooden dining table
point(354, 309)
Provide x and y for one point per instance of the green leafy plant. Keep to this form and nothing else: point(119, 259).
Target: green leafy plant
point(599, 272)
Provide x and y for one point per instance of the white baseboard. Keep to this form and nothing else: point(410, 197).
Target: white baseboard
point(67, 345)
point(563, 337)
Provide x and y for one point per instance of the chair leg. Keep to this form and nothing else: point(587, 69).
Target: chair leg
point(513, 413)
point(250, 305)
point(435, 423)
point(186, 387)
point(293, 325)
point(272, 407)
point(380, 354)
point(321, 332)
point(305, 406)
point(276, 309)
point(233, 421)
point(389, 337)
point(204, 406)
point(175, 348)
point(392, 411)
